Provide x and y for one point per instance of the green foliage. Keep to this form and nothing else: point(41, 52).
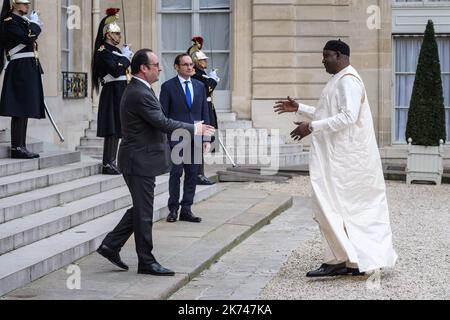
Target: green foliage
point(426, 120)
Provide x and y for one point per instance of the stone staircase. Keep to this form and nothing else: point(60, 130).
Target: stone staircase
point(235, 134)
point(57, 209)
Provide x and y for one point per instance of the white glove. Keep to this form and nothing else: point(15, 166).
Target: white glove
point(213, 75)
point(34, 18)
point(126, 51)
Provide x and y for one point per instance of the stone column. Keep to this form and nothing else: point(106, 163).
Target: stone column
point(95, 23)
point(242, 59)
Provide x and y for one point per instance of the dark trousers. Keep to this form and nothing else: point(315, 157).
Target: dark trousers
point(190, 186)
point(137, 220)
point(110, 148)
point(19, 132)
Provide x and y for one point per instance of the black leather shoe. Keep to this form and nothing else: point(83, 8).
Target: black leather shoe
point(204, 181)
point(355, 272)
point(155, 269)
point(189, 217)
point(111, 169)
point(112, 256)
point(327, 270)
point(173, 215)
point(23, 153)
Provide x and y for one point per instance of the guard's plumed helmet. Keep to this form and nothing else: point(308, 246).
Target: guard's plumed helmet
point(199, 55)
point(20, 2)
point(111, 25)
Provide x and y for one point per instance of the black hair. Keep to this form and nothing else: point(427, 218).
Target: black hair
point(179, 57)
point(140, 58)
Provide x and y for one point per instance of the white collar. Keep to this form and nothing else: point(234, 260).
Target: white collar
point(182, 80)
point(143, 81)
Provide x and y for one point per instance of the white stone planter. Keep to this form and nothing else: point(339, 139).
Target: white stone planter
point(425, 163)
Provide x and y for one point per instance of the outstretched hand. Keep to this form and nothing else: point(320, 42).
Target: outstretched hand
point(204, 130)
point(301, 132)
point(287, 106)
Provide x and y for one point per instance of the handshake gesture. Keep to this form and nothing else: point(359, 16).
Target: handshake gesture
point(126, 51)
point(289, 106)
point(201, 129)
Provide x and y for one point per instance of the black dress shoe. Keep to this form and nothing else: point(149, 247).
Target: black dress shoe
point(155, 269)
point(204, 181)
point(173, 215)
point(23, 153)
point(189, 217)
point(111, 169)
point(112, 256)
point(328, 270)
point(355, 272)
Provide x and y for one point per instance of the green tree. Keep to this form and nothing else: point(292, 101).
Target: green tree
point(426, 120)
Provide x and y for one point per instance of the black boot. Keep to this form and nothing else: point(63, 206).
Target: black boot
point(18, 140)
point(202, 180)
point(109, 156)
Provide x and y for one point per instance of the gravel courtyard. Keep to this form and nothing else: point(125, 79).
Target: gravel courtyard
point(420, 216)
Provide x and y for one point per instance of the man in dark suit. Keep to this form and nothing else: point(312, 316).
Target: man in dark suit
point(143, 155)
point(184, 99)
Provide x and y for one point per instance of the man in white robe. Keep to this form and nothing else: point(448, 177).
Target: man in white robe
point(349, 191)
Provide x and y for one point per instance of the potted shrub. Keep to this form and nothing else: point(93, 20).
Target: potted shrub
point(426, 121)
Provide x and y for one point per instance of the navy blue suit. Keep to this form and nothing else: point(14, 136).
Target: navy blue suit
point(174, 102)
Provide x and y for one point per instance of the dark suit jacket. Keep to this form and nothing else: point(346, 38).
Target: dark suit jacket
point(173, 101)
point(145, 150)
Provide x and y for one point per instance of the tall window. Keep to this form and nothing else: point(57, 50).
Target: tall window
point(424, 2)
point(66, 37)
point(180, 20)
point(407, 50)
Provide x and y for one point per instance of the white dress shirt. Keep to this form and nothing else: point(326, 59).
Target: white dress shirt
point(191, 87)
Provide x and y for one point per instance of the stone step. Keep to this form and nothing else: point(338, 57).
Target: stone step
point(91, 146)
point(91, 150)
point(92, 142)
point(25, 204)
point(13, 185)
point(21, 232)
point(238, 124)
point(91, 133)
point(33, 145)
point(47, 160)
point(285, 160)
point(247, 149)
point(226, 116)
point(29, 263)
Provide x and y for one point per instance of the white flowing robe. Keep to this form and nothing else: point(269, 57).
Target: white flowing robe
point(349, 189)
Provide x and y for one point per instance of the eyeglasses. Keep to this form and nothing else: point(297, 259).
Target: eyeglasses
point(187, 65)
point(153, 64)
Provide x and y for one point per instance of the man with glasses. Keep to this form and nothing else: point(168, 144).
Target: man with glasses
point(22, 93)
point(184, 99)
point(144, 154)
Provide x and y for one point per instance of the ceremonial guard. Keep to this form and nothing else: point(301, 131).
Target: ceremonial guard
point(22, 92)
point(210, 81)
point(110, 68)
